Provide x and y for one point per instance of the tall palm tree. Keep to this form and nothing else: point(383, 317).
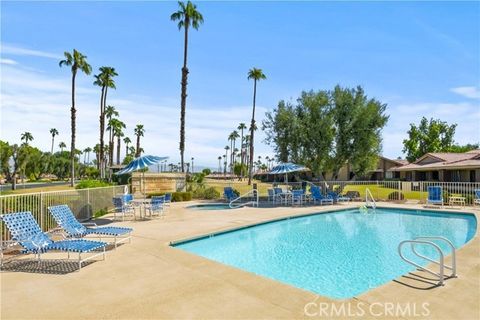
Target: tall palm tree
point(187, 16)
point(219, 164)
point(226, 157)
point(53, 132)
point(241, 127)
point(256, 75)
point(110, 112)
point(127, 141)
point(87, 152)
point(62, 145)
point(96, 149)
point(139, 131)
point(118, 127)
point(104, 80)
point(233, 137)
point(27, 137)
point(76, 61)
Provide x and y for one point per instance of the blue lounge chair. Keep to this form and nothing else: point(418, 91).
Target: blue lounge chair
point(298, 196)
point(476, 200)
point(26, 232)
point(74, 229)
point(435, 195)
point(318, 196)
point(168, 199)
point(338, 197)
point(122, 208)
point(229, 194)
point(157, 206)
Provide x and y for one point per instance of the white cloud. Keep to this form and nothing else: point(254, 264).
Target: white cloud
point(468, 92)
point(35, 102)
point(17, 50)
point(8, 61)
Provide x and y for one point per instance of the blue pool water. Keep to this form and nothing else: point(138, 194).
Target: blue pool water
point(211, 206)
point(339, 254)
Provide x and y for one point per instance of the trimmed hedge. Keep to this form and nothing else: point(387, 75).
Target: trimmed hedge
point(176, 196)
point(84, 184)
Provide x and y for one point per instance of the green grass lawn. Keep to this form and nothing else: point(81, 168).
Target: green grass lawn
point(381, 193)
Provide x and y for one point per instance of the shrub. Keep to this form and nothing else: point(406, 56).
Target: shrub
point(84, 184)
point(396, 195)
point(206, 171)
point(206, 193)
point(100, 213)
point(176, 196)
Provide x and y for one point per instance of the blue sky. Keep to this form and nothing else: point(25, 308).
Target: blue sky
point(422, 59)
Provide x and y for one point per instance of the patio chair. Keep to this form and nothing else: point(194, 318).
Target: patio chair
point(27, 233)
point(338, 197)
point(298, 196)
point(122, 208)
point(279, 195)
point(352, 195)
point(435, 195)
point(157, 206)
point(317, 195)
point(476, 199)
point(168, 199)
point(74, 229)
point(229, 194)
point(271, 195)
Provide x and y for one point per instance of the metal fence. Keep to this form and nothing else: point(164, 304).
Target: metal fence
point(399, 191)
point(83, 202)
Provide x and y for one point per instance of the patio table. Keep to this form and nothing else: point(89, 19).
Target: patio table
point(456, 200)
point(141, 204)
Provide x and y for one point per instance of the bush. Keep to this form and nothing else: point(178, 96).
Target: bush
point(206, 193)
point(176, 196)
point(396, 196)
point(84, 184)
point(206, 171)
point(100, 213)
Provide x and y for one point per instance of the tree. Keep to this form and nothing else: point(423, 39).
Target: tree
point(327, 130)
point(233, 138)
point(26, 137)
point(53, 132)
point(219, 164)
point(20, 158)
point(139, 131)
point(110, 112)
point(87, 152)
point(256, 75)
point(241, 127)
point(187, 16)
point(456, 148)
point(5, 155)
point(62, 145)
point(226, 157)
point(76, 61)
point(127, 142)
point(104, 80)
point(118, 127)
point(428, 136)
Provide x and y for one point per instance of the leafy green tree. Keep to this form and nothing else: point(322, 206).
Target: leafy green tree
point(77, 61)
point(257, 75)
point(187, 16)
point(5, 155)
point(53, 132)
point(456, 148)
point(139, 131)
point(26, 137)
point(20, 158)
point(206, 171)
point(326, 130)
point(429, 136)
point(104, 80)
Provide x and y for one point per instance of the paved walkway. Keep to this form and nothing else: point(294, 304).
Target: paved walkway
point(148, 279)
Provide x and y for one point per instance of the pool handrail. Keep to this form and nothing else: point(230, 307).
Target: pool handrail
point(253, 192)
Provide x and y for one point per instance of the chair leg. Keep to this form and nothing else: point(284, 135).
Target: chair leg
point(79, 261)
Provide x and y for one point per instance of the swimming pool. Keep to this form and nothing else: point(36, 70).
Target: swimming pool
point(211, 206)
point(338, 254)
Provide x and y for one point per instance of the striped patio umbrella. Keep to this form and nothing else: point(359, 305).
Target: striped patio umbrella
point(286, 168)
point(140, 163)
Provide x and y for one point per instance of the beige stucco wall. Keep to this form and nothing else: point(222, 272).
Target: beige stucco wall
point(157, 182)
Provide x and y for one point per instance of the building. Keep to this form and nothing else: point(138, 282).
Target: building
point(442, 167)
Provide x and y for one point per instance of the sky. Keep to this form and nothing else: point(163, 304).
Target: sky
point(420, 58)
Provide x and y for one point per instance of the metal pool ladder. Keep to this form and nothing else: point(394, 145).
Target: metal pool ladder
point(441, 262)
point(369, 200)
point(252, 193)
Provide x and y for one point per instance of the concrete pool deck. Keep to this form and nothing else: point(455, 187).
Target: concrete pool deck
point(148, 279)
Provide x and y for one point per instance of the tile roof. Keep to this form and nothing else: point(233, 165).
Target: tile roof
point(446, 160)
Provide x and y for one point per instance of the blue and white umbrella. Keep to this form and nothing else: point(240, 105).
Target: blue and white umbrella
point(286, 168)
point(140, 163)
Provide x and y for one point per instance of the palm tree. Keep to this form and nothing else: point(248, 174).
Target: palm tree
point(104, 80)
point(219, 164)
point(233, 136)
point(139, 131)
point(110, 112)
point(76, 61)
point(226, 157)
point(187, 16)
point(132, 150)
point(53, 132)
point(118, 127)
point(256, 75)
point(241, 127)
point(127, 141)
point(87, 151)
point(96, 149)
point(62, 145)
point(27, 137)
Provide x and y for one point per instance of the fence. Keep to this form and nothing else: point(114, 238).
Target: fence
point(83, 202)
point(381, 190)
